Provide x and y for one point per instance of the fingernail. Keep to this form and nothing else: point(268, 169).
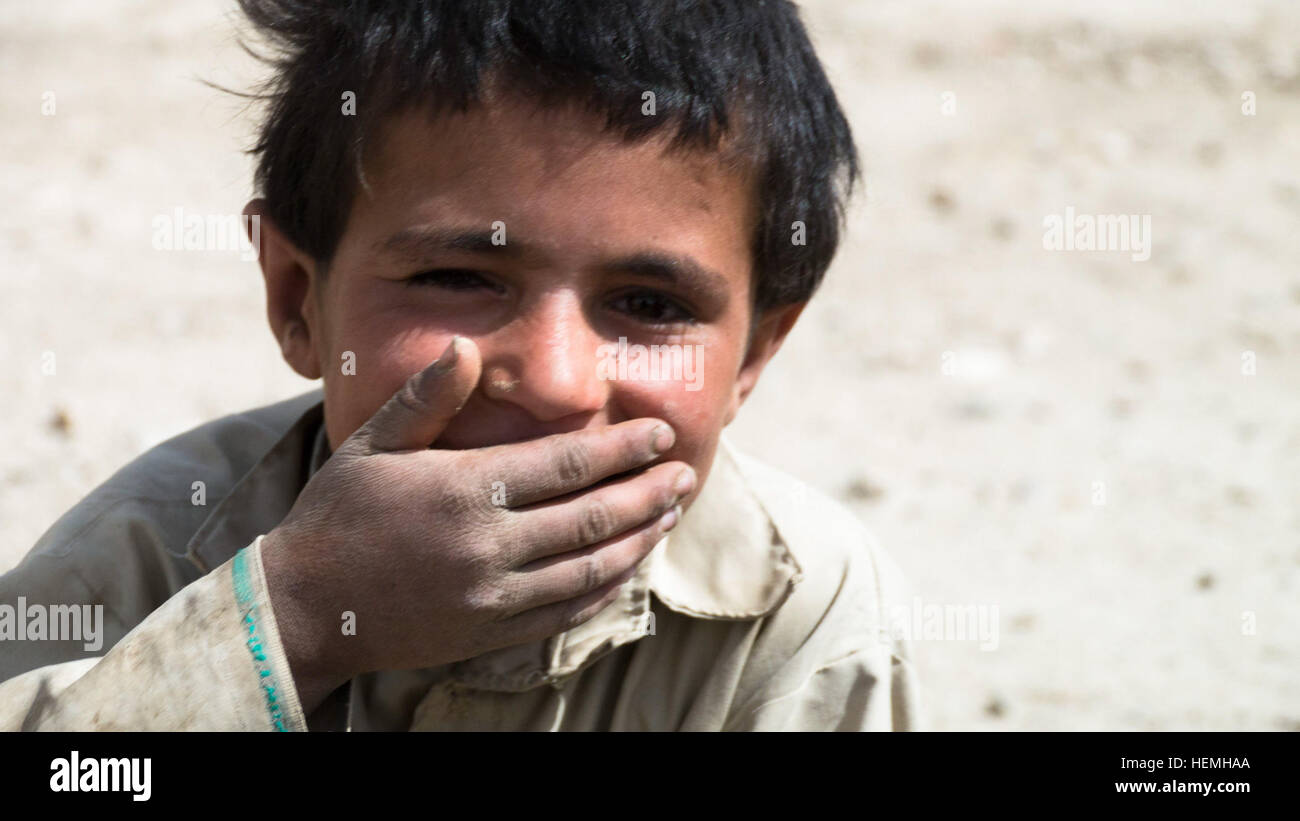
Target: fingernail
point(662, 438)
point(449, 356)
point(684, 483)
point(669, 520)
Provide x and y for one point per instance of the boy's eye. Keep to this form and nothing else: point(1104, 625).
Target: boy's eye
point(652, 307)
point(455, 279)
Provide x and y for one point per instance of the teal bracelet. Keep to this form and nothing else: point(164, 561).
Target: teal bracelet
point(244, 598)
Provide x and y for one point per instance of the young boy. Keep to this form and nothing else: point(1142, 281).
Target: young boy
point(539, 253)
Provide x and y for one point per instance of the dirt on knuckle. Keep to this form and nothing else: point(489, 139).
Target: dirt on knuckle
point(595, 523)
point(488, 599)
point(573, 463)
point(666, 498)
point(591, 571)
point(409, 399)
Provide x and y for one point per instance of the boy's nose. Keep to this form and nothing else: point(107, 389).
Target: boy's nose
point(545, 362)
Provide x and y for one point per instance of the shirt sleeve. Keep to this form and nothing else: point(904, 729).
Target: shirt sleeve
point(210, 658)
point(869, 690)
point(850, 671)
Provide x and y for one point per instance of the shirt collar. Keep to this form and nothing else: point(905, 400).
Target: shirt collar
point(725, 560)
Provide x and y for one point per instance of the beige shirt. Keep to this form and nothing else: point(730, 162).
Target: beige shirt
point(766, 609)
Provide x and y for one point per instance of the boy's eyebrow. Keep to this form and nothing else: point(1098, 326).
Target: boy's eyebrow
point(682, 270)
point(420, 242)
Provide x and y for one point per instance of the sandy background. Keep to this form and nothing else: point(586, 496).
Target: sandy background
point(1065, 369)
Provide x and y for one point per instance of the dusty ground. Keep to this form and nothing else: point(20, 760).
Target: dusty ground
point(963, 388)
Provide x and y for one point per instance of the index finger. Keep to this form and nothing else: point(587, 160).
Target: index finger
point(566, 462)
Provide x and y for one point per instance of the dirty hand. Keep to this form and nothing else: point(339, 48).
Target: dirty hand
point(432, 567)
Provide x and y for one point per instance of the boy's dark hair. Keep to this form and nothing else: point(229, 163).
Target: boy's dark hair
point(742, 70)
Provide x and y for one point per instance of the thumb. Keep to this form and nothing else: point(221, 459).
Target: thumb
point(422, 407)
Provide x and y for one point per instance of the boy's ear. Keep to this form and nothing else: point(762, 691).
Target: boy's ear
point(770, 331)
point(290, 277)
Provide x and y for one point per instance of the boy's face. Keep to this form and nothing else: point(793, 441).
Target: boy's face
point(544, 240)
